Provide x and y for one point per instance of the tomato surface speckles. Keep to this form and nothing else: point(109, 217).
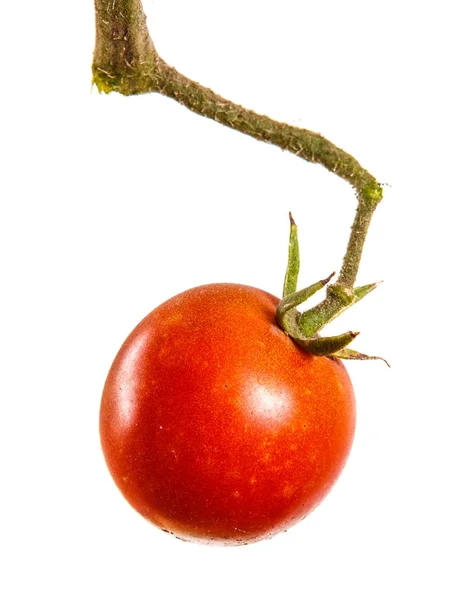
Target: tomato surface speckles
point(215, 426)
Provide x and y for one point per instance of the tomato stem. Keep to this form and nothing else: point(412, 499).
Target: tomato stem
point(125, 61)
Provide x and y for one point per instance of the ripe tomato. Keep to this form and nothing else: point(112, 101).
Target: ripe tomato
point(215, 426)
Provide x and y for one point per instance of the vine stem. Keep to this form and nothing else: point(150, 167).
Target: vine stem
point(125, 60)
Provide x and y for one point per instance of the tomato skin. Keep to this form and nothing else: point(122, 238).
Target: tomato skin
point(215, 426)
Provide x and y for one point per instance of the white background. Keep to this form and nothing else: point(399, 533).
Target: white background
point(110, 205)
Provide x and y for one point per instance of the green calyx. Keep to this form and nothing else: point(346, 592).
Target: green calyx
point(303, 327)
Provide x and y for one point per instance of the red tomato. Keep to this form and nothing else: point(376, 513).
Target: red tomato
point(215, 426)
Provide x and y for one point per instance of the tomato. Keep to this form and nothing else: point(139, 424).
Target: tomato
point(216, 426)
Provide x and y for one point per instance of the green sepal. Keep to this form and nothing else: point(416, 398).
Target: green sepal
point(296, 298)
point(286, 314)
point(293, 263)
point(326, 346)
point(363, 290)
point(349, 354)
